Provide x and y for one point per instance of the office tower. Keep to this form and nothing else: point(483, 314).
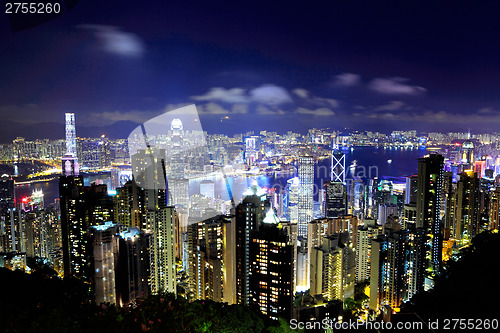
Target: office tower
point(336, 199)
point(411, 190)
point(371, 209)
point(248, 215)
point(133, 271)
point(429, 189)
point(291, 199)
point(70, 134)
point(206, 258)
point(305, 194)
point(384, 192)
point(467, 206)
point(70, 166)
point(250, 150)
point(468, 153)
point(130, 205)
point(356, 191)
point(332, 268)
point(163, 271)
point(271, 268)
point(386, 210)
point(207, 188)
point(337, 166)
point(366, 233)
point(103, 255)
point(73, 225)
point(177, 149)
point(177, 184)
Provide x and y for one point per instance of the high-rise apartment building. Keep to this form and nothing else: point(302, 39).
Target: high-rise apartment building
point(333, 268)
point(162, 250)
point(206, 258)
point(366, 233)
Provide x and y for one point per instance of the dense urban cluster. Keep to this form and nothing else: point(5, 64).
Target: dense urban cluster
point(137, 229)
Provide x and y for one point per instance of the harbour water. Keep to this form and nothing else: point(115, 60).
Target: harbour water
point(370, 162)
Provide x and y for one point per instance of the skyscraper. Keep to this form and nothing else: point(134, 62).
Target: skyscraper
point(103, 255)
point(305, 194)
point(338, 165)
point(163, 272)
point(70, 165)
point(336, 199)
point(429, 187)
point(271, 268)
point(70, 134)
point(81, 207)
point(332, 268)
point(248, 216)
point(467, 213)
point(366, 233)
point(411, 190)
point(133, 271)
point(206, 258)
point(8, 215)
point(177, 184)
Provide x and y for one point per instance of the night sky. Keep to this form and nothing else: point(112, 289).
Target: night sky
point(274, 65)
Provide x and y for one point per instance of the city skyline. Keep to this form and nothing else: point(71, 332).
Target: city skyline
point(207, 166)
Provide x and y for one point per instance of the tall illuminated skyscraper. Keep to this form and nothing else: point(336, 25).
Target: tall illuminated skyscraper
point(467, 203)
point(429, 187)
point(305, 195)
point(338, 165)
point(250, 150)
point(70, 134)
point(163, 273)
point(176, 157)
point(292, 198)
point(248, 216)
point(70, 165)
point(177, 184)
